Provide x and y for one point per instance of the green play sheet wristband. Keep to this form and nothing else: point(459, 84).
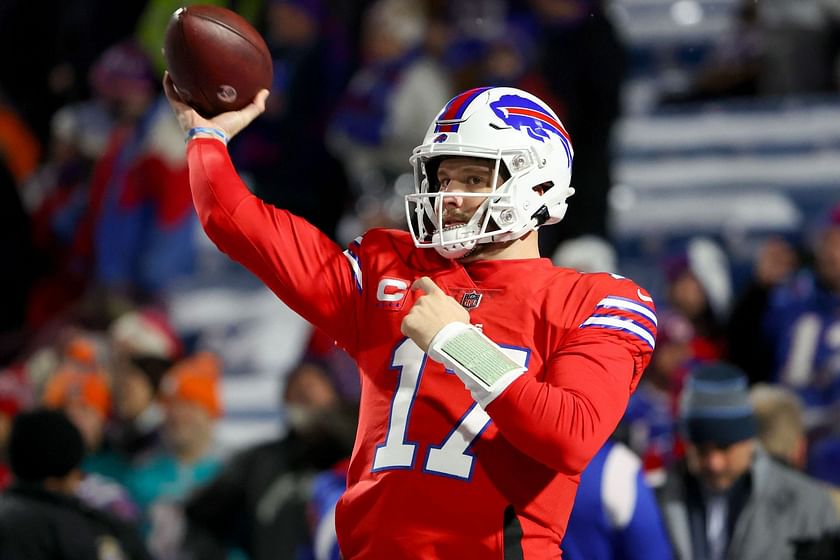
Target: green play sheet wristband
point(485, 361)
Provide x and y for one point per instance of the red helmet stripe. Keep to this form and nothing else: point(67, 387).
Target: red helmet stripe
point(541, 116)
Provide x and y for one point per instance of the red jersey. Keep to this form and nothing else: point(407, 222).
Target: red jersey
point(433, 475)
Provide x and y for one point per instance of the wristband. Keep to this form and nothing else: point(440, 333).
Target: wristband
point(206, 130)
point(484, 368)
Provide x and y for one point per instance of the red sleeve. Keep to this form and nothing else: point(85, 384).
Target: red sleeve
point(562, 418)
point(300, 264)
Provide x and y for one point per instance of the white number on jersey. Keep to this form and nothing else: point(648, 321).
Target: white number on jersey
point(450, 458)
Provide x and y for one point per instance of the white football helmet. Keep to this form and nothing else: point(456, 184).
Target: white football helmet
point(532, 152)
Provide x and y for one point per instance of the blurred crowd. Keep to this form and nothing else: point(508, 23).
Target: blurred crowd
point(104, 403)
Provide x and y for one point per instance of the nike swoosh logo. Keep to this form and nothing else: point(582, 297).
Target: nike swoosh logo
point(642, 296)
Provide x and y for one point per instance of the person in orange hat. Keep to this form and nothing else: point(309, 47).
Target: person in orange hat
point(85, 398)
point(195, 381)
point(188, 457)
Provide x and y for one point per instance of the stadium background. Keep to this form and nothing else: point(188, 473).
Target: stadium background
point(726, 135)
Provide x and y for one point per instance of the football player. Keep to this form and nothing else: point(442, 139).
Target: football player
point(490, 377)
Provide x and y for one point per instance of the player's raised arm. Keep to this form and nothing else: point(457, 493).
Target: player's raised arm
point(298, 262)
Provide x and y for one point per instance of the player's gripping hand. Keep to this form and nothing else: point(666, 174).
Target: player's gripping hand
point(230, 123)
point(441, 327)
point(430, 313)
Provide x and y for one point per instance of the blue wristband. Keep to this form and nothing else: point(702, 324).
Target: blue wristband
point(206, 130)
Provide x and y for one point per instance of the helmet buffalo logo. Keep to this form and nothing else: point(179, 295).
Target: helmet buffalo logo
point(440, 138)
point(526, 116)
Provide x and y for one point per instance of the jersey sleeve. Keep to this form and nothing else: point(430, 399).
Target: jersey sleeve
point(299, 263)
point(564, 414)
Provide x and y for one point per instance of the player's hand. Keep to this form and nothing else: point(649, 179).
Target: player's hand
point(431, 312)
point(231, 123)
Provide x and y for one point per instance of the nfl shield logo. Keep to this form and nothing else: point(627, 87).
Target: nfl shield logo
point(470, 300)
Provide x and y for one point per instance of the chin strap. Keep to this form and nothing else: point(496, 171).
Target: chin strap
point(479, 363)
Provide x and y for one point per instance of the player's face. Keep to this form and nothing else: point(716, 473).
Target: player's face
point(463, 175)
point(719, 467)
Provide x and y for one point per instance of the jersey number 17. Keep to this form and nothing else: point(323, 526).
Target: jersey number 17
point(452, 457)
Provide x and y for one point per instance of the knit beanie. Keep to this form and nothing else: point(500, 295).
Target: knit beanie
point(146, 332)
point(42, 444)
point(89, 388)
point(195, 379)
point(715, 406)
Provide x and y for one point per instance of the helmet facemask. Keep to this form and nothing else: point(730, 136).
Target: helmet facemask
point(429, 210)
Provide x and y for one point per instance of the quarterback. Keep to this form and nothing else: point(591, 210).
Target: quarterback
point(490, 377)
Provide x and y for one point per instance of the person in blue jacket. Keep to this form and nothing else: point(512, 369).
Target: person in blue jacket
point(615, 516)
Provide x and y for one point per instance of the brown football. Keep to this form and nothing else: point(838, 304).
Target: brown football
point(217, 60)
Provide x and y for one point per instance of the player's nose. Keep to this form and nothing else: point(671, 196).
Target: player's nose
point(453, 199)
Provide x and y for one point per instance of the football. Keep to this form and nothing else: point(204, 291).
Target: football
point(217, 60)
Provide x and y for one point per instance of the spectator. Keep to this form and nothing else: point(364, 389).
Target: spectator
point(258, 502)
point(781, 429)
point(699, 287)
point(781, 432)
point(729, 500)
point(188, 457)
point(40, 517)
point(144, 347)
point(615, 515)
point(775, 264)
point(85, 398)
point(139, 226)
point(801, 322)
point(80, 388)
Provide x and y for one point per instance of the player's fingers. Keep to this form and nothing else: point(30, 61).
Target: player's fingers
point(427, 285)
point(255, 108)
point(261, 98)
point(171, 93)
